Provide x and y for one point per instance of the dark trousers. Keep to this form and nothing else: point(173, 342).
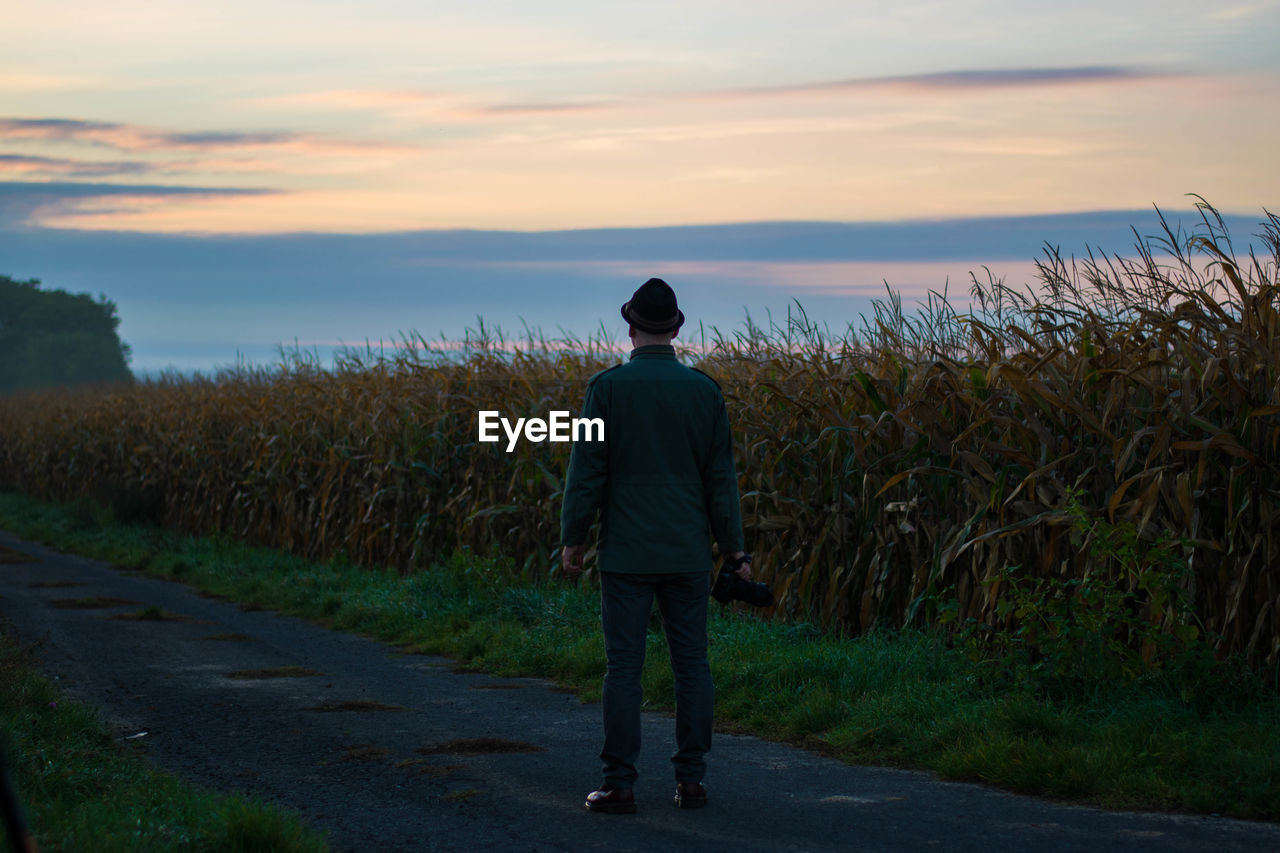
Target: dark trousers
point(625, 602)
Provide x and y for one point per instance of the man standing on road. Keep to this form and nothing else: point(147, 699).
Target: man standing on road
point(661, 479)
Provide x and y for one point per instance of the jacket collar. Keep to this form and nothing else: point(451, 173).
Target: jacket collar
point(654, 351)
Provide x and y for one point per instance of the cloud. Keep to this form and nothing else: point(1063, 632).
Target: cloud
point(139, 138)
point(615, 137)
point(948, 81)
point(22, 202)
point(13, 83)
point(33, 166)
point(22, 164)
point(843, 277)
point(1000, 238)
point(435, 105)
point(9, 189)
point(446, 106)
point(1012, 145)
point(129, 137)
point(1240, 11)
point(993, 238)
point(546, 108)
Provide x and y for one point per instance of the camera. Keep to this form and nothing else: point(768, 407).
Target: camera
point(730, 587)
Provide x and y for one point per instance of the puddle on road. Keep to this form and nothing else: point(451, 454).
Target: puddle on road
point(154, 614)
point(422, 767)
point(461, 795)
point(8, 555)
point(478, 746)
point(364, 752)
point(93, 602)
point(273, 672)
point(357, 705)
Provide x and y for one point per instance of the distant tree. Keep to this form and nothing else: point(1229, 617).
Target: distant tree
point(51, 337)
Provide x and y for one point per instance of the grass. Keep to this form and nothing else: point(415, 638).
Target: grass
point(1208, 743)
point(83, 791)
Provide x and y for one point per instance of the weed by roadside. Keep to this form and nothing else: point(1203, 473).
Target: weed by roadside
point(1127, 623)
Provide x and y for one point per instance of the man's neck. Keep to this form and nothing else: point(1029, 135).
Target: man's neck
point(644, 339)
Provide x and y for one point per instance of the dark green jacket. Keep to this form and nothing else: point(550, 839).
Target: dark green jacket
point(663, 478)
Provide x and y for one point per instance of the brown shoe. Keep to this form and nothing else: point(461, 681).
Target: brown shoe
point(690, 795)
point(612, 800)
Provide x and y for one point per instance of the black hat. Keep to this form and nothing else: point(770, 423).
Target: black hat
point(653, 308)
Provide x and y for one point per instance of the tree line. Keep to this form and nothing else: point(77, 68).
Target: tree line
point(55, 338)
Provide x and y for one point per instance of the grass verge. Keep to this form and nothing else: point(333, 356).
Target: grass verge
point(83, 791)
point(1207, 744)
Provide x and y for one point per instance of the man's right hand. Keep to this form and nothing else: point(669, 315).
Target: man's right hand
point(571, 559)
point(744, 571)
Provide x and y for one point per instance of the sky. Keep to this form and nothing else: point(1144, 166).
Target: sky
point(239, 175)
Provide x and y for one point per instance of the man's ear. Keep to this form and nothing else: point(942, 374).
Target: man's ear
point(631, 332)
point(676, 332)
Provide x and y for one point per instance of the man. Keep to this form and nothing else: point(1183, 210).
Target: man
point(661, 479)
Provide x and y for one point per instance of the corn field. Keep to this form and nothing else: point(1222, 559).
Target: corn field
point(913, 459)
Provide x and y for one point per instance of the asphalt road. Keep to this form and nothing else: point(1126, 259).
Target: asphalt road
point(429, 774)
